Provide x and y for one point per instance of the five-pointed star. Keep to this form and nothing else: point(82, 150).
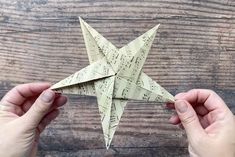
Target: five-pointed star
point(114, 76)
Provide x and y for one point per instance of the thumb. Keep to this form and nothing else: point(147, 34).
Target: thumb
point(40, 108)
point(189, 120)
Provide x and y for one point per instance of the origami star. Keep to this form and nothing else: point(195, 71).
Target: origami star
point(114, 76)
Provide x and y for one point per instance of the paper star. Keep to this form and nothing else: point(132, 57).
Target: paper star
point(114, 76)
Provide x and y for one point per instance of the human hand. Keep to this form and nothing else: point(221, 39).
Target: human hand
point(208, 122)
point(25, 111)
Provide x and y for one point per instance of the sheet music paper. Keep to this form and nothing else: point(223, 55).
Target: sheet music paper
point(114, 76)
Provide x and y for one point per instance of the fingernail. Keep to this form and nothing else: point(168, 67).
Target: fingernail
point(47, 96)
point(181, 106)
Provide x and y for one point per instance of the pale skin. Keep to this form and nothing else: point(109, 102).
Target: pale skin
point(208, 123)
point(27, 109)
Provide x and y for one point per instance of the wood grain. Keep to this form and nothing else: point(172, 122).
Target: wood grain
point(41, 40)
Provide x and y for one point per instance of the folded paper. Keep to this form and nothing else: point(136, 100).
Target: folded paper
point(114, 76)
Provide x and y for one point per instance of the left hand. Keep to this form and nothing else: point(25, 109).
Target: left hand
point(25, 111)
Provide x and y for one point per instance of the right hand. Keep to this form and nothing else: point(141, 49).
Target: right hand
point(208, 122)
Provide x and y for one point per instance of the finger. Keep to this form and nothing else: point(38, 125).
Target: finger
point(40, 108)
point(201, 110)
point(214, 116)
point(172, 105)
point(180, 95)
point(189, 119)
point(21, 92)
point(174, 119)
point(59, 101)
point(28, 103)
point(47, 120)
point(204, 122)
point(203, 96)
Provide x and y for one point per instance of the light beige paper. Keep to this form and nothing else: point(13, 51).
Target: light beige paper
point(114, 76)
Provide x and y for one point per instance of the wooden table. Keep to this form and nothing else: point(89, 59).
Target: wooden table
point(41, 40)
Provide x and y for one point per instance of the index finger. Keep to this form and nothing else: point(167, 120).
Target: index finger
point(203, 96)
point(20, 93)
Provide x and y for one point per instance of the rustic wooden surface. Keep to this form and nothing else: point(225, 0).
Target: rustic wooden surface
point(41, 40)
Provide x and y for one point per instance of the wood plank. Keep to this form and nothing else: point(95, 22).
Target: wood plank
point(80, 126)
point(174, 54)
point(130, 152)
point(41, 40)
